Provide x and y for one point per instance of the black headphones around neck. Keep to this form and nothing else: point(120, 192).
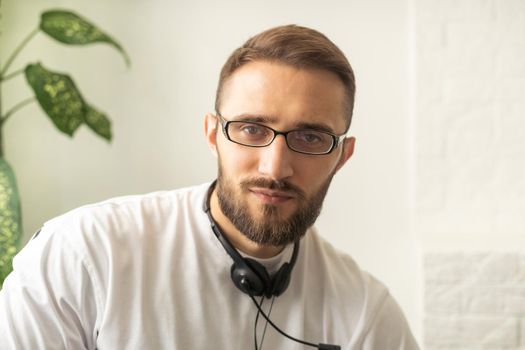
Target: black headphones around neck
point(247, 274)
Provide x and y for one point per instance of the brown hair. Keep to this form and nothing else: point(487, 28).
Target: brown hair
point(300, 47)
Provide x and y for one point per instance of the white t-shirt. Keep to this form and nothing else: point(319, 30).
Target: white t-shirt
point(147, 272)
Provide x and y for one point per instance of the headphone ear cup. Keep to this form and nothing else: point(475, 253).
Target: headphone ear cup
point(281, 280)
point(262, 274)
point(250, 277)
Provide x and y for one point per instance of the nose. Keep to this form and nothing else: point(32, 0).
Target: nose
point(275, 160)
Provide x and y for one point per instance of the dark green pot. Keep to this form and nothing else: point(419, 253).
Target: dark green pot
point(10, 219)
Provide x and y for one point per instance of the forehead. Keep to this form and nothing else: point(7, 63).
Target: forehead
point(286, 96)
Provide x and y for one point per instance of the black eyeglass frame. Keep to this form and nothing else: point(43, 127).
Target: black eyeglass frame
point(336, 139)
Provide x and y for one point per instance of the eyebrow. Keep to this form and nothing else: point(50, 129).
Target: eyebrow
point(316, 126)
point(268, 119)
point(256, 118)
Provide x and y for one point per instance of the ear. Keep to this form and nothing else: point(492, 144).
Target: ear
point(348, 150)
point(210, 132)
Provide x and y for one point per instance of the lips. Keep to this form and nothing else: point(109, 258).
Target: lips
point(271, 196)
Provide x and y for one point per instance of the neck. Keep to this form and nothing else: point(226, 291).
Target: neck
point(236, 237)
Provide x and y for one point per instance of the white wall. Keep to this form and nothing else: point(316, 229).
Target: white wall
point(177, 49)
point(471, 171)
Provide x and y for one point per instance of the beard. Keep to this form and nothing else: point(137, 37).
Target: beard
point(269, 228)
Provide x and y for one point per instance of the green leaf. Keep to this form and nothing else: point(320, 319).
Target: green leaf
point(98, 122)
point(58, 96)
point(61, 100)
point(72, 29)
point(10, 219)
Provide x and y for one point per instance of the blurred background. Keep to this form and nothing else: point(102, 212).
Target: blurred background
point(433, 201)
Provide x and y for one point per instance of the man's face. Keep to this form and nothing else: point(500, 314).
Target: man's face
point(273, 194)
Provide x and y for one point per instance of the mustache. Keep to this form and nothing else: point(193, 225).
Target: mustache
point(282, 186)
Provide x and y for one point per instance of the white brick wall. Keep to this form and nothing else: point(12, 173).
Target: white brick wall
point(470, 154)
point(474, 301)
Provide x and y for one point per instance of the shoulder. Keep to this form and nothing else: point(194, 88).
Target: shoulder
point(128, 213)
point(112, 233)
point(375, 316)
point(113, 229)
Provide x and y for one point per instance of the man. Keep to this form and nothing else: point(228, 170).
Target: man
point(233, 264)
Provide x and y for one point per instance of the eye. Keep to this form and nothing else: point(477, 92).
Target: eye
point(252, 129)
point(249, 133)
point(310, 137)
point(310, 141)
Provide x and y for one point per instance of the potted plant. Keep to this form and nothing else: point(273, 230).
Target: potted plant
point(61, 101)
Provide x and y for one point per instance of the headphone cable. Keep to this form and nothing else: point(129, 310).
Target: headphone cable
point(278, 329)
point(266, 324)
point(255, 326)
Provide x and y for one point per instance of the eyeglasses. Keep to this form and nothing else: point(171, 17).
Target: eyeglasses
point(306, 141)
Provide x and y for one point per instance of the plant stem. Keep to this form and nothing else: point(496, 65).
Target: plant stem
point(12, 75)
point(17, 51)
point(16, 108)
